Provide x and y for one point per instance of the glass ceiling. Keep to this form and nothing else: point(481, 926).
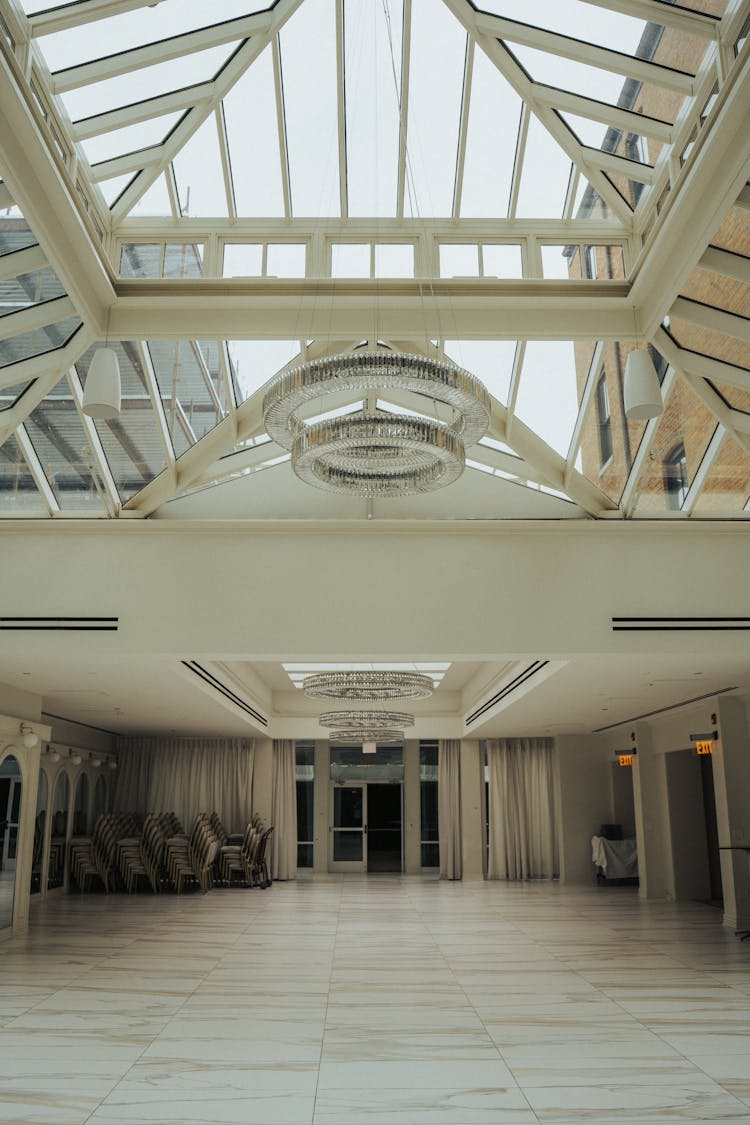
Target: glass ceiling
point(448, 142)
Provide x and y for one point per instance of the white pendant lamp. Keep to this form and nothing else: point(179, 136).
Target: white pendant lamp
point(101, 395)
point(642, 392)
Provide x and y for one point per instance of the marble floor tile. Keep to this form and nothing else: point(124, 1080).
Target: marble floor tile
point(344, 1000)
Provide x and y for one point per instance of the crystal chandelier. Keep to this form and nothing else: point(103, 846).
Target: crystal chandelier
point(369, 686)
point(374, 454)
point(366, 720)
point(362, 736)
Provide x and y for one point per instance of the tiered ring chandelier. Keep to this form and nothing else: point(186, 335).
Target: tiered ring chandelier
point(367, 686)
point(367, 728)
point(377, 455)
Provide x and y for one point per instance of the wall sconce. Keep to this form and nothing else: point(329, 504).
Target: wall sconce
point(112, 763)
point(95, 760)
point(53, 755)
point(30, 737)
point(74, 756)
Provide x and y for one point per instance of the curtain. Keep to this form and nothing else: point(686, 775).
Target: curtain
point(187, 776)
point(284, 805)
point(522, 812)
point(449, 808)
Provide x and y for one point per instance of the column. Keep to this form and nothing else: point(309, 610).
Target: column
point(731, 769)
point(472, 809)
point(583, 765)
point(651, 815)
point(412, 809)
point(321, 816)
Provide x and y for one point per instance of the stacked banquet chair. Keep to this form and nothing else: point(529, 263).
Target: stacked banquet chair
point(191, 859)
point(157, 829)
point(248, 860)
point(97, 856)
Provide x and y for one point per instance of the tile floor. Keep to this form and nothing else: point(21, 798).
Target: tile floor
point(386, 1000)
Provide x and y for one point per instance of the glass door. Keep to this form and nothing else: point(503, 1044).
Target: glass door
point(349, 828)
point(12, 816)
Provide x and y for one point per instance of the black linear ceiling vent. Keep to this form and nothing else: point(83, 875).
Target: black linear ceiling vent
point(215, 683)
point(504, 692)
point(678, 624)
point(67, 624)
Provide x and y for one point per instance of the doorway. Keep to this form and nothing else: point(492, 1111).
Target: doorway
point(10, 820)
point(366, 833)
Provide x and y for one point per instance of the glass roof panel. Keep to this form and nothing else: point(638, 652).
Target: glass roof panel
point(727, 486)
point(372, 51)
point(28, 344)
point(572, 17)
point(29, 289)
point(253, 140)
point(134, 137)
point(737, 397)
point(18, 490)
point(490, 361)
point(709, 342)
point(155, 201)
point(254, 362)
point(15, 233)
point(188, 386)
point(59, 440)
point(198, 173)
point(609, 441)
point(545, 176)
point(147, 82)
point(113, 189)
point(438, 53)
point(144, 25)
point(734, 232)
point(644, 150)
point(682, 438)
point(492, 136)
point(723, 292)
point(548, 393)
point(308, 57)
point(10, 395)
point(132, 442)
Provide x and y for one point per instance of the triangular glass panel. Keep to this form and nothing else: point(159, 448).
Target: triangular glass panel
point(549, 391)
point(60, 442)
point(112, 189)
point(545, 175)
point(154, 201)
point(18, 490)
point(490, 361)
point(116, 142)
point(198, 173)
point(254, 362)
point(682, 437)
point(188, 388)
point(132, 442)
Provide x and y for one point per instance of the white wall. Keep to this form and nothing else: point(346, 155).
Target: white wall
point(583, 765)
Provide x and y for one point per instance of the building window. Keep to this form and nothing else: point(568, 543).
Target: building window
point(604, 419)
point(305, 775)
point(589, 262)
point(428, 804)
point(676, 477)
point(659, 362)
point(635, 149)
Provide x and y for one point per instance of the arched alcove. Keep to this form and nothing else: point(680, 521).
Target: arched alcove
point(10, 818)
point(58, 831)
point(100, 797)
point(81, 807)
point(40, 823)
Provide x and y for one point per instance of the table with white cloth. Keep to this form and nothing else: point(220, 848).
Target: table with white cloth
point(614, 859)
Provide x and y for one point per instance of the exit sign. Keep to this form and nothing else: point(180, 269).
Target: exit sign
point(625, 759)
point(704, 746)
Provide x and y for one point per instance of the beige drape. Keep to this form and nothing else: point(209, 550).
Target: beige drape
point(522, 812)
point(449, 808)
point(284, 815)
point(187, 776)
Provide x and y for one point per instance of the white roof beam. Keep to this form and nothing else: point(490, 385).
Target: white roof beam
point(37, 471)
point(708, 186)
point(524, 87)
point(630, 66)
point(607, 114)
point(176, 47)
point(463, 127)
point(42, 188)
point(133, 114)
point(341, 109)
point(278, 86)
point(403, 123)
point(618, 165)
point(6, 199)
point(704, 469)
point(127, 164)
point(192, 121)
point(272, 308)
point(101, 465)
point(743, 199)
point(715, 320)
point(709, 368)
point(81, 12)
point(716, 260)
point(22, 261)
point(30, 399)
point(35, 317)
point(664, 13)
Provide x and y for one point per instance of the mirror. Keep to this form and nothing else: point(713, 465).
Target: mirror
point(40, 821)
point(10, 816)
point(100, 797)
point(81, 807)
point(58, 832)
